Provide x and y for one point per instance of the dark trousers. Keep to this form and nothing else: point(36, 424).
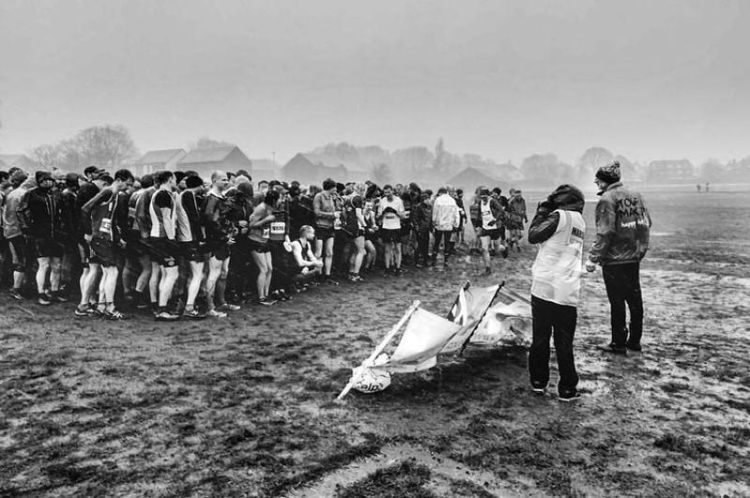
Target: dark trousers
point(423, 246)
point(558, 321)
point(445, 236)
point(624, 286)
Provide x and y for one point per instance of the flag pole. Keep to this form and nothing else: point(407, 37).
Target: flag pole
point(476, 326)
point(388, 337)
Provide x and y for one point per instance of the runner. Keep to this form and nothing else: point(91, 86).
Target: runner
point(260, 234)
point(190, 237)
point(354, 227)
point(516, 218)
point(309, 266)
point(423, 228)
point(163, 240)
point(390, 213)
point(12, 230)
point(103, 233)
point(136, 246)
point(219, 237)
point(489, 212)
point(325, 216)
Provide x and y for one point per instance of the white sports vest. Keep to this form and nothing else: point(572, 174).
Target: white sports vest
point(487, 217)
point(556, 273)
point(184, 232)
point(157, 224)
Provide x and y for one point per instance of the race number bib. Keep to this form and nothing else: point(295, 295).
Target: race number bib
point(266, 234)
point(278, 228)
point(106, 226)
point(337, 220)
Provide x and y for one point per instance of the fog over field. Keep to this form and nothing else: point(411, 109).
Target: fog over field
point(505, 80)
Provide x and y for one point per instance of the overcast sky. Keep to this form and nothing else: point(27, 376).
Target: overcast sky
point(505, 79)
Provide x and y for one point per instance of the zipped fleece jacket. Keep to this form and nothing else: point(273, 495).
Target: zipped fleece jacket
point(445, 216)
point(622, 227)
point(42, 214)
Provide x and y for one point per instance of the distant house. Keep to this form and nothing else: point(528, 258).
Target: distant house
point(471, 178)
point(205, 161)
point(308, 170)
point(155, 160)
point(8, 161)
point(666, 171)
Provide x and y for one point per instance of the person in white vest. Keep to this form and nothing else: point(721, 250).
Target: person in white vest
point(558, 228)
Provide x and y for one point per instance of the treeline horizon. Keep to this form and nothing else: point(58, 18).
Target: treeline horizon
point(111, 146)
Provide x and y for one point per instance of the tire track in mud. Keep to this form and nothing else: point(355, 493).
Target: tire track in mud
point(393, 454)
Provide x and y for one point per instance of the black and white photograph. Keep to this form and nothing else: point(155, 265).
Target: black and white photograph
point(393, 249)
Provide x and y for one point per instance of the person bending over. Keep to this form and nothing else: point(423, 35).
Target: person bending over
point(558, 228)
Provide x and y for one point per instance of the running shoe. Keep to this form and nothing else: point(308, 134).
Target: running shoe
point(113, 315)
point(56, 297)
point(267, 301)
point(166, 316)
point(16, 294)
point(83, 311)
point(193, 314)
point(331, 281)
point(215, 314)
point(44, 299)
point(569, 396)
point(228, 307)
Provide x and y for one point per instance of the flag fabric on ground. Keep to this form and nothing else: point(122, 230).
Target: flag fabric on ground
point(415, 342)
point(424, 337)
point(508, 322)
point(469, 307)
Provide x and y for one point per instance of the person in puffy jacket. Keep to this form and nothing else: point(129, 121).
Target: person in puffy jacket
point(622, 238)
point(445, 219)
point(558, 228)
point(41, 221)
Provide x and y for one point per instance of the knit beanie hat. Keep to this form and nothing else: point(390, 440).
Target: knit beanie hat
point(609, 173)
point(40, 176)
point(193, 181)
point(18, 177)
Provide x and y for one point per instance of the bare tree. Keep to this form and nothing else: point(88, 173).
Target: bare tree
point(47, 156)
point(546, 169)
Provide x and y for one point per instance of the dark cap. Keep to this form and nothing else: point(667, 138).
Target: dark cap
point(193, 181)
point(40, 176)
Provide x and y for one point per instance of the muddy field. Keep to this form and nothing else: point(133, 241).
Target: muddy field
point(244, 406)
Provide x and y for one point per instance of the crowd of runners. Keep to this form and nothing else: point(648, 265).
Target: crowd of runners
point(178, 244)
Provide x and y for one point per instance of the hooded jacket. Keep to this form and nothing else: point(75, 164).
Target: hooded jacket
point(544, 224)
point(445, 216)
point(40, 214)
point(622, 227)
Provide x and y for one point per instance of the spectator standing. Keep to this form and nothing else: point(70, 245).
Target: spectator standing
point(622, 237)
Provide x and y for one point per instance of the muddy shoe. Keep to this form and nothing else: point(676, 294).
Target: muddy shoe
point(193, 314)
point(538, 388)
point(568, 396)
point(634, 347)
point(613, 349)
